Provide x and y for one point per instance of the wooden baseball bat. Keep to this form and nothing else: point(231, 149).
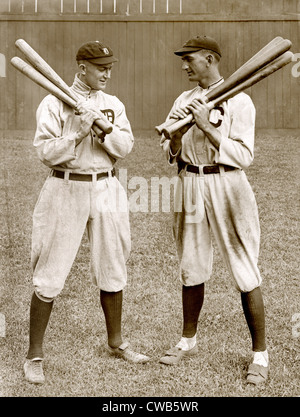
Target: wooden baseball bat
point(262, 51)
point(262, 73)
point(265, 55)
point(44, 68)
point(249, 68)
point(48, 85)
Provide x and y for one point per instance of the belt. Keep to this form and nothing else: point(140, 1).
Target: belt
point(82, 177)
point(208, 169)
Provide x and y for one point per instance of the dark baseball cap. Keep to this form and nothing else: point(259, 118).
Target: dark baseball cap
point(96, 53)
point(197, 43)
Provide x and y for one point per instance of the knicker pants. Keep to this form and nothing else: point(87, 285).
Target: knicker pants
point(64, 210)
point(222, 205)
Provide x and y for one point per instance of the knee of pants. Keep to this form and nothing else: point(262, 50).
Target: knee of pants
point(45, 292)
point(42, 298)
point(248, 286)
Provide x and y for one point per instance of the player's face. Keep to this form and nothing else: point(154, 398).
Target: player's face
point(195, 65)
point(97, 75)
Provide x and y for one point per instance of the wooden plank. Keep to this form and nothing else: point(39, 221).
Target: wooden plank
point(69, 54)
point(138, 72)
point(68, 7)
point(120, 68)
point(290, 95)
point(154, 75)
point(4, 6)
point(48, 6)
point(123, 6)
point(15, 6)
point(147, 83)
point(291, 78)
point(146, 6)
point(108, 7)
point(174, 6)
point(135, 7)
point(4, 80)
point(262, 90)
point(81, 6)
point(162, 55)
point(192, 7)
point(160, 6)
point(175, 61)
point(130, 81)
point(93, 6)
point(111, 38)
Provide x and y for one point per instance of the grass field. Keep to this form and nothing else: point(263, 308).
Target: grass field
point(76, 361)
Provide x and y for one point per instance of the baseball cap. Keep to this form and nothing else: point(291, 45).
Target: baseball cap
point(197, 43)
point(96, 53)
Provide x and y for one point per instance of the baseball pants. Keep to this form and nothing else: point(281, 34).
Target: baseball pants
point(222, 205)
point(64, 210)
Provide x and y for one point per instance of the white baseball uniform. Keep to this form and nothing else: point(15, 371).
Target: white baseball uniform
point(67, 207)
point(222, 203)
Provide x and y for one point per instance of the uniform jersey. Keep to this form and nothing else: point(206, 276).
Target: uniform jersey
point(56, 129)
point(235, 120)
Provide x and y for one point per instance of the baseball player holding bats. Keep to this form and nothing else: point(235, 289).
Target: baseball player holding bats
point(215, 198)
point(81, 193)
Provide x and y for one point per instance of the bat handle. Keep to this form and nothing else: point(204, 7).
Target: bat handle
point(169, 122)
point(101, 124)
point(169, 131)
point(106, 127)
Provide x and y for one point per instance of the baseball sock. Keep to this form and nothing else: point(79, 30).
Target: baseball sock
point(192, 301)
point(253, 307)
point(39, 316)
point(111, 303)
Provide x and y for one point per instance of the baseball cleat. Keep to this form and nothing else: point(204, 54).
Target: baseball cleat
point(174, 355)
point(124, 352)
point(257, 374)
point(33, 369)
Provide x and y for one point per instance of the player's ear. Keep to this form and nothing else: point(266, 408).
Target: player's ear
point(209, 59)
point(82, 68)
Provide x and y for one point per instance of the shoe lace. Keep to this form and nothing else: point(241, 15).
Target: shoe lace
point(37, 367)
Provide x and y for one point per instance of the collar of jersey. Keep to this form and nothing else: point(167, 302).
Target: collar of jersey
point(213, 85)
point(81, 88)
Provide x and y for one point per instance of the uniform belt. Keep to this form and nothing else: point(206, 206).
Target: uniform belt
point(208, 169)
point(82, 177)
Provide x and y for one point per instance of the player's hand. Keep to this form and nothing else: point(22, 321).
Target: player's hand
point(175, 143)
point(200, 112)
point(179, 113)
point(88, 115)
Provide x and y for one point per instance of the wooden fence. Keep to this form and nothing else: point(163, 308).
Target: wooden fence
point(143, 35)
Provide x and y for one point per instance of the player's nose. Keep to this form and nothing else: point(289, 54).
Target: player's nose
point(184, 66)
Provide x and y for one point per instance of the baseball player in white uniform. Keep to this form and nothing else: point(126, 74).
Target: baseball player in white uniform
point(215, 198)
point(81, 193)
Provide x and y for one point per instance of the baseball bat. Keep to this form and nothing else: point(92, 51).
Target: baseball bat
point(45, 69)
point(249, 68)
point(262, 51)
point(44, 82)
point(262, 73)
point(264, 56)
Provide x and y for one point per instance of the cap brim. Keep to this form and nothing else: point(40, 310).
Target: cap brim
point(103, 60)
point(187, 50)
